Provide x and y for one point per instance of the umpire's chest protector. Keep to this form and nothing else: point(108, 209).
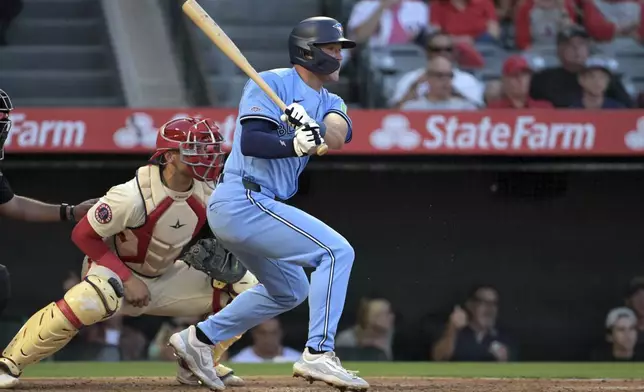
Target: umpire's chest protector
point(172, 220)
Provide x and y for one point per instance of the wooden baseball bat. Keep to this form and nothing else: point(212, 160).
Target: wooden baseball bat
point(201, 18)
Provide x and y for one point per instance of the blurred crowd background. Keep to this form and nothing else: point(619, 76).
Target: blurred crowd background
point(555, 255)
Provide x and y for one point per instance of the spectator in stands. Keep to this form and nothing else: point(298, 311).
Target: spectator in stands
point(560, 85)
point(267, 345)
point(537, 22)
point(467, 20)
point(414, 83)
point(621, 337)
point(594, 79)
point(606, 20)
point(439, 94)
point(471, 333)
point(493, 91)
point(387, 22)
point(371, 339)
point(9, 9)
point(159, 349)
point(515, 86)
point(635, 301)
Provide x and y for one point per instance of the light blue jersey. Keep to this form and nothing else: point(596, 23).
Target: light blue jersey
point(279, 175)
point(272, 239)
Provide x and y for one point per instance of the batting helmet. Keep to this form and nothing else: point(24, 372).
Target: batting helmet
point(5, 123)
point(308, 35)
point(198, 142)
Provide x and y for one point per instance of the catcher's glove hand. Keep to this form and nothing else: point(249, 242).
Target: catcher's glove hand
point(208, 256)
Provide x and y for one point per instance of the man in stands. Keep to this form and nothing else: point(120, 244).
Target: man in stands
point(515, 87)
point(560, 85)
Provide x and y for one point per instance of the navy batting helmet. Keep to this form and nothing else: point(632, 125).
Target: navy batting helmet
point(308, 35)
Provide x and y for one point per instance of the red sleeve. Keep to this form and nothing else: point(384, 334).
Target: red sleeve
point(598, 27)
point(490, 11)
point(436, 14)
point(91, 244)
point(640, 31)
point(522, 24)
point(571, 8)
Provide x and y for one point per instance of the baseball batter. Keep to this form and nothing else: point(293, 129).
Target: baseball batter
point(272, 239)
point(132, 238)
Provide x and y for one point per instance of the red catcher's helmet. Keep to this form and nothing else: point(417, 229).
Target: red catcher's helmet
point(198, 142)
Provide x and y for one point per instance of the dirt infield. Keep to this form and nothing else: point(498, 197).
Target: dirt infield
point(288, 384)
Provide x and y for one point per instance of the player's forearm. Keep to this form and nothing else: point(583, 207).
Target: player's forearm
point(337, 129)
point(31, 210)
point(259, 140)
point(91, 244)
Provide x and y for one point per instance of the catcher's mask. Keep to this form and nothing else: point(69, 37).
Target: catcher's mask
point(199, 144)
point(5, 123)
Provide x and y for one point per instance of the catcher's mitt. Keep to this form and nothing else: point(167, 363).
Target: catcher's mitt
point(208, 256)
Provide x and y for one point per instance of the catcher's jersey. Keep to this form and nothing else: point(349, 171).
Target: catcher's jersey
point(147, 224)
point(6, 194)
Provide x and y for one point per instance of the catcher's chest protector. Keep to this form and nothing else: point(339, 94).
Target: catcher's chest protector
point(172, 221)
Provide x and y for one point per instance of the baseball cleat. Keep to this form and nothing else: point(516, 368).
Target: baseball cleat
point(9, 374)
point(197, 356)
point(226, 374)
point(327, 368)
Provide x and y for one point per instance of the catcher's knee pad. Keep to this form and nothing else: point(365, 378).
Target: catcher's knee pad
point(5, 287)
point(50, 329)
point(94, 299)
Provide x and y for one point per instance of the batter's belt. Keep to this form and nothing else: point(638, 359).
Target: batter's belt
point(251, 186)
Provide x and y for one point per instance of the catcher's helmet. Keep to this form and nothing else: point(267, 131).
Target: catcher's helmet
point(5, 123)
point(305, 38)
point(198, 142)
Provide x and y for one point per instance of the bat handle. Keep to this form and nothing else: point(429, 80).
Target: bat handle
point(322, 149)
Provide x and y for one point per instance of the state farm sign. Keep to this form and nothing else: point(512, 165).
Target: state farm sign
point(487, 132)
point(45, 133)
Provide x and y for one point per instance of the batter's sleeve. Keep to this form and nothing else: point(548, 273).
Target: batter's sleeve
point(121, 208)
point(337, 105)
point(255, 103)
point(6, 193)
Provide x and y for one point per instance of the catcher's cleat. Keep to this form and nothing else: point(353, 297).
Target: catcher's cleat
point(9, 374)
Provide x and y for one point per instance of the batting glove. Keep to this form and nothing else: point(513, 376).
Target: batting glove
point(307, 137)
point(296, 115)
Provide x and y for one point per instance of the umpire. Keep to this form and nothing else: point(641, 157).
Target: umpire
point(22, 208)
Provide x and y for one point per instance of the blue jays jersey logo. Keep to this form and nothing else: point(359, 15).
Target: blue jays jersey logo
point(338, 27)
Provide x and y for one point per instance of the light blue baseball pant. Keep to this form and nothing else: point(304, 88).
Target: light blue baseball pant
point(275, 241)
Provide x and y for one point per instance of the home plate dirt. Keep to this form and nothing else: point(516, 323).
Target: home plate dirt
point(289, 384)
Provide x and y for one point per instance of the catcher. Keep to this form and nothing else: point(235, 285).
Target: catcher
point(132, 238)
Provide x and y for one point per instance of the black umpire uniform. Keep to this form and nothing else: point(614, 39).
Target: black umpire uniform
point(6, 194)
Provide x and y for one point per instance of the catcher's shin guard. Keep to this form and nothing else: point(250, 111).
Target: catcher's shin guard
point(221, 347)
point(92, 300)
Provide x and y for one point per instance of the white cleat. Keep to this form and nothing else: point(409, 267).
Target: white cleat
point(7, 378)
point(197, 356)
point(327, 368)
point(226, 374)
